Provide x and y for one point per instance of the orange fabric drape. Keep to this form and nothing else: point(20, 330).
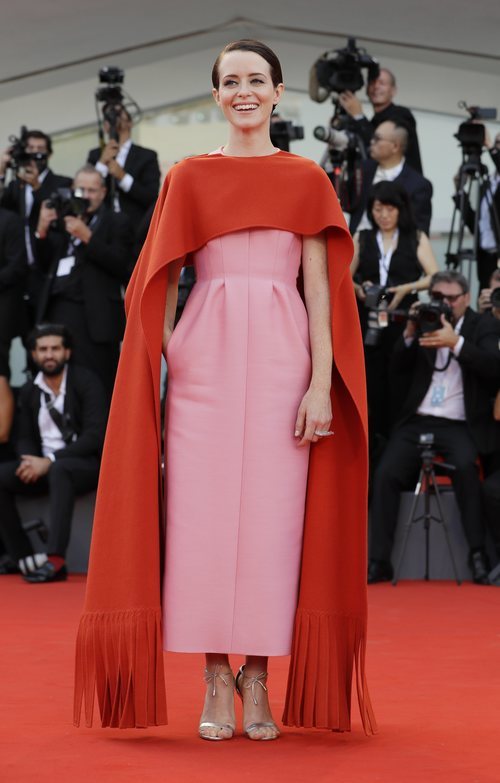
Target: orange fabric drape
point(119, 650)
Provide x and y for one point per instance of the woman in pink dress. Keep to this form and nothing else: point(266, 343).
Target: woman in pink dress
point(250, 372)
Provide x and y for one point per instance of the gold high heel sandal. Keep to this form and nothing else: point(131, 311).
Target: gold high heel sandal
point(252, 683)
point(211, 677)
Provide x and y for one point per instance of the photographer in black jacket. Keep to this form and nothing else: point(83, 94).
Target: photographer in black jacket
point(450, 375)
point(62, 415)
point(134, 170)
point(86, 262)
point(381, 92)
point(25, 193)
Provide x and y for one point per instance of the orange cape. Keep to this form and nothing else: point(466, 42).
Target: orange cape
point(119, 645)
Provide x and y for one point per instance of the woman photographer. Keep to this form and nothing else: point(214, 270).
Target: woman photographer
point(393, 254)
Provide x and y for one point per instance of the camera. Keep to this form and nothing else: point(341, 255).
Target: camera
point(112, 77)
point(339, 70)
point(67, 203)
point(376, 302)
point(334, 72)
point(283, 132)
point(495, 297)
point(470, 134)
point(428, 316)
point(19, 157)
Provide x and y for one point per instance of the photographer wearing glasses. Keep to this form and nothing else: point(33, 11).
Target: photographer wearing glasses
point(388, 162)
point(85, 252)
point(449, 366)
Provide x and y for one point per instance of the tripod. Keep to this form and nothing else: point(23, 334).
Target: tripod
point(427, 481)
point(472, 175)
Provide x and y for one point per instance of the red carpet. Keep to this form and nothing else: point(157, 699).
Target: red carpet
point(434, 669)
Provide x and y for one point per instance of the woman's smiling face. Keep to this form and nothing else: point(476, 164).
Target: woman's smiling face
point(246, 93)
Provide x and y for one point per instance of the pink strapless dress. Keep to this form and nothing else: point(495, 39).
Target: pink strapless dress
point(238, 366)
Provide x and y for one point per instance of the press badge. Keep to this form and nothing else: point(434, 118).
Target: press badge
point(438, 395)
point(382, 319)
point(65, 266)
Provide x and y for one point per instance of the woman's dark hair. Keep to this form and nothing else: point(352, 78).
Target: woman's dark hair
point(49, 330)
point(249, 45)
point(395, 195)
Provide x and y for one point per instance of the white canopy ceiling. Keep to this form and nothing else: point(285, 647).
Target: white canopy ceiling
point(47, 43)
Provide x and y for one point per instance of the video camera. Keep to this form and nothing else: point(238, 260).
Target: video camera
point(470, 134)
point(339, 70)
point(334, 72)
point(283, 132)
point(67, 203)
point(113, 97)
point(19, 157)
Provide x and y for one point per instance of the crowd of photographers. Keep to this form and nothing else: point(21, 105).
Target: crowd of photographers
point(68, 248)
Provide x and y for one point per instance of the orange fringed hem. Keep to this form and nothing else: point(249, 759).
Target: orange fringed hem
point(325, 647)
point(119, 656)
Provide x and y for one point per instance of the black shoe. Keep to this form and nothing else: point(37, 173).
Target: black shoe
point(379, 571)
point(480, 567)
point(46, 573)
point(7, 566)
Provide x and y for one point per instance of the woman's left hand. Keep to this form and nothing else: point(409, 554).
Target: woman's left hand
point(314, 414)
point(399, 291)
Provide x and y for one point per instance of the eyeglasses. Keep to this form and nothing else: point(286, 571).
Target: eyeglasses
point(437, 296)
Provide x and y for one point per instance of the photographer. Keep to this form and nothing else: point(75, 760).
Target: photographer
point(381, 92)
point(61, 422)
point(491, 465)
point(135, 170)
point(488, 250)
point(396, 259)
point(33, 182)
point(388, 162)
point(12, 276)
point(86, 260)
point(450, 375)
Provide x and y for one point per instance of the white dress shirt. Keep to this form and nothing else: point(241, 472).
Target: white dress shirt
point(124, 184)
point(28, 206)
point(50, 434)
point(445, 395)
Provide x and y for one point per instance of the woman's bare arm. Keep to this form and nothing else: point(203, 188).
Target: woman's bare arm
point(315, 412)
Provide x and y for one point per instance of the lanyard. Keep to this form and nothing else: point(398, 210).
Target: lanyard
point(385, 257)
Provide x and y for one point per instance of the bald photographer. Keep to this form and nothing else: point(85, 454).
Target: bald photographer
point(449, 364)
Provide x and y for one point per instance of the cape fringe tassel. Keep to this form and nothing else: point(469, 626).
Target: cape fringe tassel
point(325, 649)
point(119, 656)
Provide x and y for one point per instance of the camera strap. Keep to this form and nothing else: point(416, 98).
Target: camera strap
point(58, 418)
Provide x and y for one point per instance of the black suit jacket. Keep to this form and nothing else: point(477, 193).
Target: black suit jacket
point(142, 165)
point(418, 188)
point(13, 268)
point(479, 361)
point(105, 262)
point(85, 406)
point(402, 116)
